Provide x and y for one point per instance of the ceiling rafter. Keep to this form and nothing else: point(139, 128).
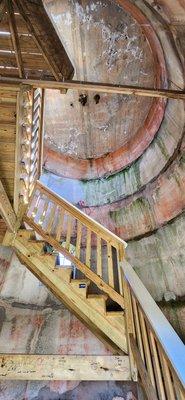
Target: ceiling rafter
point(15, 38)
point(2, 9)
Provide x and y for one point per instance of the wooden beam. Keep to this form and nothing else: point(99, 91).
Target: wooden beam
point(6, 209)
point(2, 9)
point(145, 379)
point(46, 38)
point(15, 38)
point(68, 368)
point(98, 87)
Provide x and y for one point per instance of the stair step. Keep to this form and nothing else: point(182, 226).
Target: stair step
point(115, 313)
point(48, 259)
point(98, 301)
point(81, 286)
point(117, 319)
point(63, 273)
point(27, 234)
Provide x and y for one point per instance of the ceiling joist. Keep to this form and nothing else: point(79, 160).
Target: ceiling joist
point(97, 87)
point(2, 9)
point(15, 38)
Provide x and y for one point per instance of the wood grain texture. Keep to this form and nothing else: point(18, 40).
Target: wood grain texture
point(57, 367)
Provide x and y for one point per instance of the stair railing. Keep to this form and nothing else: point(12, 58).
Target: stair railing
point(155, 348)
point(98, 252)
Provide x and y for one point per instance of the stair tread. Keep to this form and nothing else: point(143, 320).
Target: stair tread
point(98, 296)
point(115, 313)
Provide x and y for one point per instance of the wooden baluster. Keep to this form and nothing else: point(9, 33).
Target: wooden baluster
point(34, 212)
point(110, 265)
point(60, 224)
point(130, 327)
point(120, 258)
point(157, 368)
point(78, 239)
point(167, 377)
point(43, 215)
point(88, 249)
point(69, 229)
point(138, 329)
point(49, 223)
point(178, 392)
point(99, 257)
point(33, 204)
point(146, 348)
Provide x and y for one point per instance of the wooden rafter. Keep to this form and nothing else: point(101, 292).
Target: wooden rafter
point(45, 37)
point(2, 9)
point(6, 209)
point(15, 38)
point(60, 367)
point(98, 87)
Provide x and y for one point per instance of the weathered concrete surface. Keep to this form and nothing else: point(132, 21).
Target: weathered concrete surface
point(114, 45)
point(159, 259)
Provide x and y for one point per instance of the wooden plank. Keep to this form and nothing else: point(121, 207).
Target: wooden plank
point(2, 9)
point(88, 249)
point(78, 239)
point(63, 367)
point(27, 43)
point(99, 257)
point(157, 367)
point(110, 265)
point(69, 229)
point(60, 224)
point(167, 377)
point(149, 389)
point(7, 113)
point(6, 209)
point(100, 88)
point(15, 38)
point(130, 327)
point(82, 267)
point(138, 328)
point(64, 291)
point(146, 346)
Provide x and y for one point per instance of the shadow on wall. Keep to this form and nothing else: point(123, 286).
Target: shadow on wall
point(92, 391)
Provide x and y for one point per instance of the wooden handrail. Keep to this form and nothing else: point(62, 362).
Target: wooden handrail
point(85, 219)
point(161, 352)
point(67, 228)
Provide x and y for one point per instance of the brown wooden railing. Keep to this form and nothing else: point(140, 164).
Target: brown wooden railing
point(155, 348)
point(29, 142)
point(65, 226)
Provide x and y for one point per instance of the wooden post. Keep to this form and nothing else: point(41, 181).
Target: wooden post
point(6, 209)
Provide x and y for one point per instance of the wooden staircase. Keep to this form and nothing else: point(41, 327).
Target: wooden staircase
point(109, 326)
point(102, 290)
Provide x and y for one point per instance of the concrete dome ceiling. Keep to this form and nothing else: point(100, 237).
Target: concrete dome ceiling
point(123, 160)
point(108, 42)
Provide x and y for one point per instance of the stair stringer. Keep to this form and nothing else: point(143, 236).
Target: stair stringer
point(42, 267)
